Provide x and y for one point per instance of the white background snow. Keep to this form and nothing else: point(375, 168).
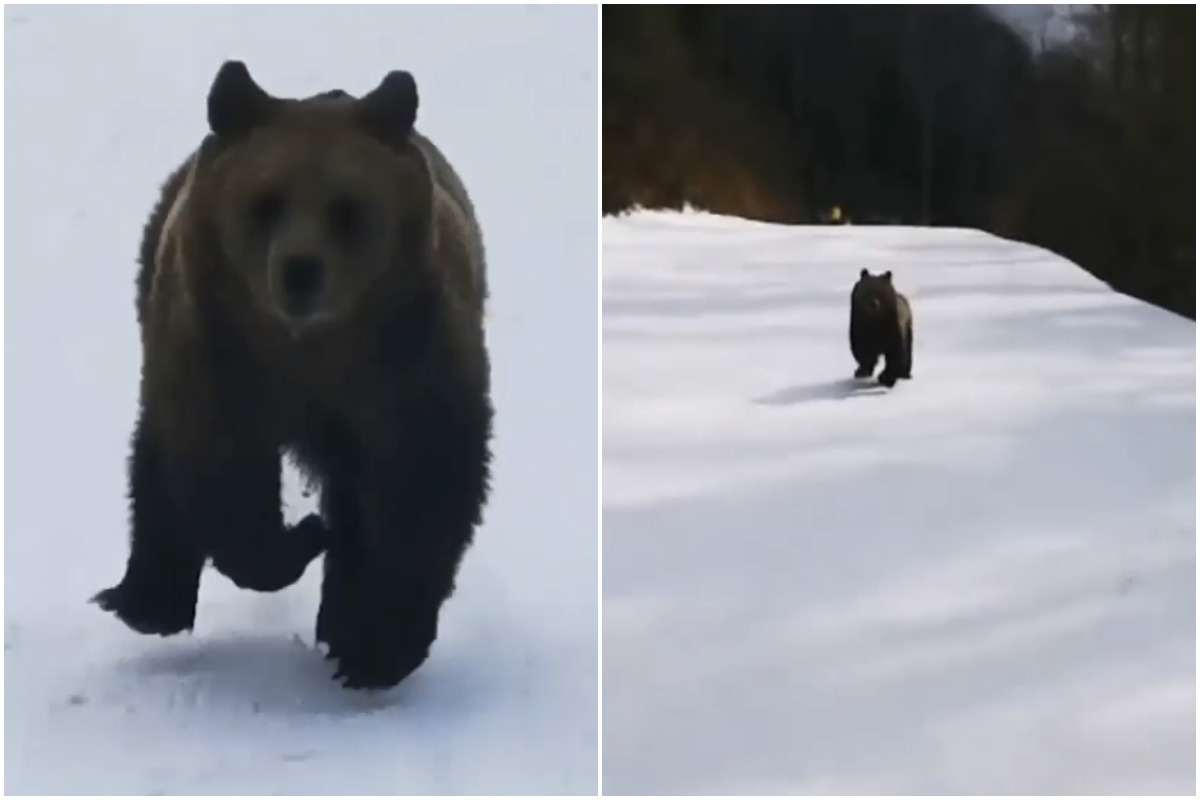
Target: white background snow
point(101, 103)
point(980, 582)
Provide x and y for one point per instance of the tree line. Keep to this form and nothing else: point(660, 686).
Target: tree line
point(930, 115)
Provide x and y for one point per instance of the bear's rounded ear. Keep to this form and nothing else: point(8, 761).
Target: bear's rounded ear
point(235, 102)
point(887, 276)
point(390, 109)
point(864, 273)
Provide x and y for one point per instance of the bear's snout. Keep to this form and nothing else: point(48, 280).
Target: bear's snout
point(300, 286)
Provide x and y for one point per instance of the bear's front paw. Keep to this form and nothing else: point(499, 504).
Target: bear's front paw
point(149, 608)
point(271, 562)
point(887, 379)
point(377, 645)
point(863, 372)
point(310, 538)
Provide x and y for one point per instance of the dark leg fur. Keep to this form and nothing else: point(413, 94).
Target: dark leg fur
point(403, 523)
point(237, 511)
point(183, 512)
point(896, 360)
point(345, 550)
point(162, 576)
point(864, 354)
point(906, 373)
point(333, 580)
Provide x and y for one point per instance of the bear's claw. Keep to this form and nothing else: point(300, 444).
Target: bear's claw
point(143, 613)
point(376, 672)
point(378, 641)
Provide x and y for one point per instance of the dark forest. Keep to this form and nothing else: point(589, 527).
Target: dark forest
point(923, 115)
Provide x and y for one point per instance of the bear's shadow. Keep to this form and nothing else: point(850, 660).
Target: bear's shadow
point(277, 676)
point(841, 389)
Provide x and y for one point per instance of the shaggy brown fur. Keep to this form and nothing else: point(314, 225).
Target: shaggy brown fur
point(880, 325)
point(312, 281)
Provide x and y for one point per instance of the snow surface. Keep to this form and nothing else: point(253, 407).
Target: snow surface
point(980, 582)
point(102, 102)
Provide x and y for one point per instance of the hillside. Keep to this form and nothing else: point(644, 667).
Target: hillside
point(980, 582)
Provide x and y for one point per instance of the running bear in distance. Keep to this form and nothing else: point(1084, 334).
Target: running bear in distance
point(881, 324)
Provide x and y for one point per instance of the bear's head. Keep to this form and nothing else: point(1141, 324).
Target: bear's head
point(312, 202)
point(874, 296)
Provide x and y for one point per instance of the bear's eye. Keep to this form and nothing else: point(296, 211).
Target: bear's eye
point(346, 218)
point(266, 208)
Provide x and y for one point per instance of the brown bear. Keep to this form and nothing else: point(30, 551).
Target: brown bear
point(881, 324)
point(312, 283)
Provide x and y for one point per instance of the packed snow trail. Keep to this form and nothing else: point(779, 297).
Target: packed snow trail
point(101, 103)
point(979, 582)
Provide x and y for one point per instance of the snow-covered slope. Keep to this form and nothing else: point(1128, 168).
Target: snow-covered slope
point(101, 102)
point(982, 581)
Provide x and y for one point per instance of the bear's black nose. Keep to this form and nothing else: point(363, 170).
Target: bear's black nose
point(303, 278)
